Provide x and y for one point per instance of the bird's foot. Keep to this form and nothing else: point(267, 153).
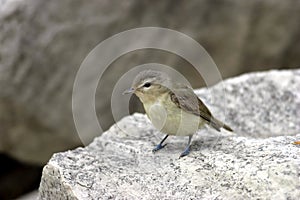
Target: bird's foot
point(158, 147)
point(186, 152)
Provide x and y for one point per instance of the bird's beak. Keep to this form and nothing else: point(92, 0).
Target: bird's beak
point(129, 91)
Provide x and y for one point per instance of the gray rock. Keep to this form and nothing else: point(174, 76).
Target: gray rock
point(44, 42)
point(30, 196)
point(259, 161)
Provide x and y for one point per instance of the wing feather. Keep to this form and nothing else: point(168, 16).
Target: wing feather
point(185, 98)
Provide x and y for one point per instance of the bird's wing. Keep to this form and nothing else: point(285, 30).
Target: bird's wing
point(185, 98)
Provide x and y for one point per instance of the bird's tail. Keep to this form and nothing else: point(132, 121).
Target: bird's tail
point(217, 124)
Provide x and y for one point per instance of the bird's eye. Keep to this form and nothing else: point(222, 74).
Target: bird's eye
point(146, 85)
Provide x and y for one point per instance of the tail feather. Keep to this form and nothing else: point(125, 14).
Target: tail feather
point(215, 123)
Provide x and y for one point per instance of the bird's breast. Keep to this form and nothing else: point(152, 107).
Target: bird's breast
point(170, 119)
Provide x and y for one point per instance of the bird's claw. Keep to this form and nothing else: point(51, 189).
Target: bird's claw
point(158, 147)
point(185, 153)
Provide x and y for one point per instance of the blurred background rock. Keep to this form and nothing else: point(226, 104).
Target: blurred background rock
point(44, 42)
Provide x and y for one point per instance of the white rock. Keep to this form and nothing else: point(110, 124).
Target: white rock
point(258, 162)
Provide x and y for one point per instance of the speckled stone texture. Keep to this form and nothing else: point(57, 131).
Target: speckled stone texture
point(259, 161)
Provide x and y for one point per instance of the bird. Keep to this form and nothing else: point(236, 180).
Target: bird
point(172, 107)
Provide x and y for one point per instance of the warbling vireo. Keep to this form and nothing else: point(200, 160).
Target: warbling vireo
point(173, 108)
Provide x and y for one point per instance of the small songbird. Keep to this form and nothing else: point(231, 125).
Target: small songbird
point(173, 108)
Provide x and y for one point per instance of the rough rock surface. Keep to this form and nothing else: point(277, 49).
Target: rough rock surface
point(43, 43)
point(259, 161)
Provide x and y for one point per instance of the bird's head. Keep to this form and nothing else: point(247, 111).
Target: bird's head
point(150, 84)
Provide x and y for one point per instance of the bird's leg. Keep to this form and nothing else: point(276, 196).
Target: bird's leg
point(160, 145)
point(187, 149)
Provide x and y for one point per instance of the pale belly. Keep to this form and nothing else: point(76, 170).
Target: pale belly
point(172, 120)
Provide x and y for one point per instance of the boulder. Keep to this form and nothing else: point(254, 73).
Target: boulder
point(44, 42)
point(257, 161)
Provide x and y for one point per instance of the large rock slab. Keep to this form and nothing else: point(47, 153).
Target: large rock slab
point(259, 161)
point(44, 42)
